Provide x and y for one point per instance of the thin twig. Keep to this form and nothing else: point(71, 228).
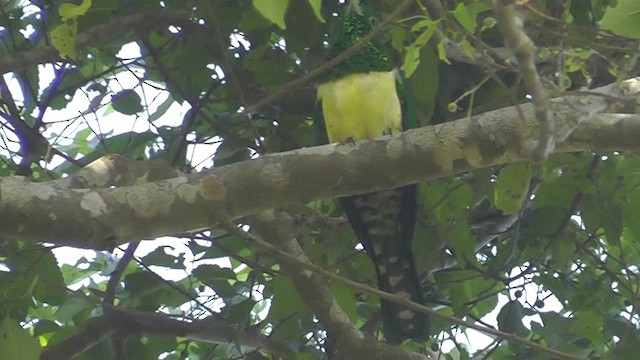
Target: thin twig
point(510, 25)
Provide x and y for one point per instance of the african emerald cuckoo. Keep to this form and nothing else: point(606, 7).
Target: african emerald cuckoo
point(364, 97)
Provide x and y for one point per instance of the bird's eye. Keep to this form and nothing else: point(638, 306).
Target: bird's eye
point(373, 22)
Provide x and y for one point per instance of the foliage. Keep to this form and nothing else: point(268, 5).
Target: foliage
point(552, 250)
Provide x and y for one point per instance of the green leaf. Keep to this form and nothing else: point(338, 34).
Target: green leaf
point(273, 10)
point(50, 287)
point(465, 17)
point(624, 19)
point(412, 55)
point(16, 343)
point(316, 5)
point(144, 289)
point(626, 348)
point(613, 223)
point(617, 326)
point(398, 36)
point(467, 13)
point(127, 102)
point(608, 216)
point(286, 300)
point(218, 278)
point(75, 273)
point(463, 286)
point(240, 312)
point(556, 329)
point(512, 186)
point(589, 324)
point(161, 109)
point(442, 53)
point(426, 82)
point(63, 38)
point(446, 202)
point(70, 11)
point(346, 298)
point(510, 319)
point(563, 251)
point(208, 272)
point(71, 308)
point(463, 243)
point(80, 144)
point(45, 326)
point(160, 257)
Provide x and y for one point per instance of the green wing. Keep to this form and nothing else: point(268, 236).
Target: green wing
point(410, 119)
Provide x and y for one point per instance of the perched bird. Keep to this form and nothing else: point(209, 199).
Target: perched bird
point(363, 97)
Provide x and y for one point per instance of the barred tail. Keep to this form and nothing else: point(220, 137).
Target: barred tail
point(384, 223)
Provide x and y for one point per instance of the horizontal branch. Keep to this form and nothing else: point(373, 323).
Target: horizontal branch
point(102, 218)
point(127, 322)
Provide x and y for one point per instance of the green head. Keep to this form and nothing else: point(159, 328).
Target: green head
point(357, 21)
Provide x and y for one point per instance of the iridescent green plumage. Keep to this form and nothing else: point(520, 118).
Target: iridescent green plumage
point(355, 26)
point(364, 97)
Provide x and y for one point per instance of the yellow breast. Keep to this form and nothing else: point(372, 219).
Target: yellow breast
point(361, 106)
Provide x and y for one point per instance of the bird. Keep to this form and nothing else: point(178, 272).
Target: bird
point(365, 97)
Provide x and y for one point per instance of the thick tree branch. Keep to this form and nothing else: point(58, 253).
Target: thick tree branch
point(102, 218)
point(117, 170)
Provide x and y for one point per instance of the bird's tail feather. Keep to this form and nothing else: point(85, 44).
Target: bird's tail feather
point(384, 223)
